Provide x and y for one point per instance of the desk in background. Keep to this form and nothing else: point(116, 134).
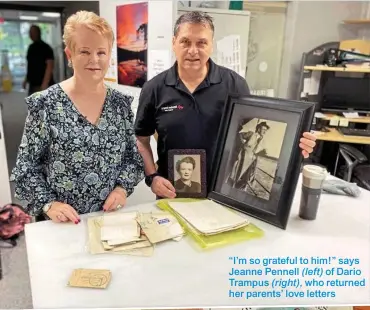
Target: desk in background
point(334, 135)
point(359, 120)
point(325, 152)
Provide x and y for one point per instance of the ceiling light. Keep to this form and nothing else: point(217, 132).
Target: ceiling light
point(25, 17)
point(50, 14)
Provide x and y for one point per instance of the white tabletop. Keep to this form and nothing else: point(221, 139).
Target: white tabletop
point(180, 275)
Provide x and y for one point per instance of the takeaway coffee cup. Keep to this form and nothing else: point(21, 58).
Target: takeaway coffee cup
point(313, 178)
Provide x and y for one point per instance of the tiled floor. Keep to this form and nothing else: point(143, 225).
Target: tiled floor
point(15, 290)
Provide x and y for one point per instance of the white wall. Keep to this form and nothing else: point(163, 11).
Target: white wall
point(309, 24)
point(160, 25)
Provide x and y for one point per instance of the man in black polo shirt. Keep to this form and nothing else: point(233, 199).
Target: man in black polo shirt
point(184, 104)
point(40, 63)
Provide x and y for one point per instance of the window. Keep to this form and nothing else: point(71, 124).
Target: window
point(15, 40)
point(266, 43)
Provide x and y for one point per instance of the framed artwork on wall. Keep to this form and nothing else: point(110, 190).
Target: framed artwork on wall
point(258, 159)
point(187, 172)
point(132, 43)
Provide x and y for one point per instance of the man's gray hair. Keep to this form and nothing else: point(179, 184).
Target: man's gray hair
point(194, 17)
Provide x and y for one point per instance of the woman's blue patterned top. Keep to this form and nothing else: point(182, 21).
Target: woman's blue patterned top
point(63, 157)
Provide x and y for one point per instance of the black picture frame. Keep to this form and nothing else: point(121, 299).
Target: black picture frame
point(269, 198)
point(197, 158)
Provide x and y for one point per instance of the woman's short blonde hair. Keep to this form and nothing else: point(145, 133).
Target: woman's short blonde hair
point(89, 20)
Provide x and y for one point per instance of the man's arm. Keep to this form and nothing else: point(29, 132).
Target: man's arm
point(48, 72)
point(25, 81)
point(145, 127)
point(245, 136)
point(144, 148)
point(49, 59)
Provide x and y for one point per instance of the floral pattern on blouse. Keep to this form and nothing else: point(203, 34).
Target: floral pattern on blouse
point(63, 157)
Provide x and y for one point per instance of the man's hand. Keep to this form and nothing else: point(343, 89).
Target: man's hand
point(61, 212)
point(116, 199)
point(163, 188)
point(307, 144)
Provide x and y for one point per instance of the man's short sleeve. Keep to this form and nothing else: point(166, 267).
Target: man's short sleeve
point(49, 54)
point(145, 115)
point(241, 86)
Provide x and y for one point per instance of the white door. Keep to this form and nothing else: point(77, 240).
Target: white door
point(5, 194)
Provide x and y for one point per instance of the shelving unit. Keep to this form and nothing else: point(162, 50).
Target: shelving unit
point(359, 120)
point(309, 63)
point(362, 26)
point(357, 21)
point(337, 69)
point(312, 66)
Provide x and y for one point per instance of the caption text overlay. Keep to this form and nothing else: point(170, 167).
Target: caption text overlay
point(292, 277)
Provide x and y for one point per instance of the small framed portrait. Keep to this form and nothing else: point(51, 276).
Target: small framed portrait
point(258, 158)
point(187, 172)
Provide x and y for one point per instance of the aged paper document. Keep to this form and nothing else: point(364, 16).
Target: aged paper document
point(209, 217)
point(90, 278)
point(160, 226)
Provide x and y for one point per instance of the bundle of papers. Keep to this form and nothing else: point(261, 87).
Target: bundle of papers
point(208, 217)
point(117, 233)
point(160, 226)
point(131, 233)
point(119, 229)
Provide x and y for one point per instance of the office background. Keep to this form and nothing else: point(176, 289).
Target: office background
point(279, 33)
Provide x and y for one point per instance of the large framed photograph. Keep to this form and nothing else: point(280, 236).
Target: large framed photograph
point(257, 158)
point(187, 172)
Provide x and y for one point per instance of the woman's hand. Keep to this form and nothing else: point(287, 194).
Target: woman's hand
point(115, 200)
point(307, 144)
point(61, 212)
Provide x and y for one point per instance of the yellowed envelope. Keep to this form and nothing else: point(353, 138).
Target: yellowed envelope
point(90, 278)
point(96, 246)
point(160, 226)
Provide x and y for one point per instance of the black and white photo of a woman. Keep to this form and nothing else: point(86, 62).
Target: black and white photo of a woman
point(186, 168)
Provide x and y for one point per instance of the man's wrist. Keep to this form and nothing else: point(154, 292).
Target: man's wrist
point(149, 178)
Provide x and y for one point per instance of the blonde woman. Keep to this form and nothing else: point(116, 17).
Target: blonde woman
point(78, 153)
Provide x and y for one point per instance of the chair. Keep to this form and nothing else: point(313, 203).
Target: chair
point(357, 166)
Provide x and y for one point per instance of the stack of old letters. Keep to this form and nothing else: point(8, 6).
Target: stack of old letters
point(131, 233)
point(207, 217)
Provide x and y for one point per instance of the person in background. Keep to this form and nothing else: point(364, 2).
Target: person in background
point(78, 153)
point(40, 63)
point(184, 104)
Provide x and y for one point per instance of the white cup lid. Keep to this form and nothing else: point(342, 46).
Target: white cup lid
point(313, 171)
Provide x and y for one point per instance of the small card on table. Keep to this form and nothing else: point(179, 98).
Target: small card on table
point(90, 278)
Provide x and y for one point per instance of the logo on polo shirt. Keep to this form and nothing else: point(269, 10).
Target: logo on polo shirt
point(172, 108)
